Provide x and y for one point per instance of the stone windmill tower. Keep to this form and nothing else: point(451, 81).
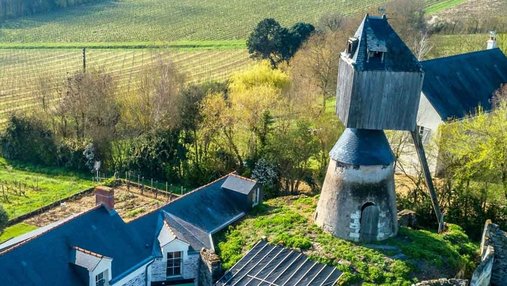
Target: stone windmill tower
point(379, 86)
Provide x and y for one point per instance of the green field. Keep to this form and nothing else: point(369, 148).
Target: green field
point(439, 6)
point(25, 188)
point(167, 21)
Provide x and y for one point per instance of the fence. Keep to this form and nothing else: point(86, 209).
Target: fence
point(144, 188)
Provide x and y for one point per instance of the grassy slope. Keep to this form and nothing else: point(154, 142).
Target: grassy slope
point(288, 220)
point(161, 20)
point(42, 186)
point(15, 230)
point(439, 6)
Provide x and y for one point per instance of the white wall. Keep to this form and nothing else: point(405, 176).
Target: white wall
point(427, 116)
point(104, 265)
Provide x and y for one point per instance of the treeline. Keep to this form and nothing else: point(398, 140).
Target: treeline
point(15, 8)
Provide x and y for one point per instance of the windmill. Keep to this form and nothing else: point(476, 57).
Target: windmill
point(379, 87)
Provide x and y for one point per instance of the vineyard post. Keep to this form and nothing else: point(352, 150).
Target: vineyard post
point(84, 60)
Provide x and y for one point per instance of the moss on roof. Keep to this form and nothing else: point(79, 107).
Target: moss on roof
point(412, 256)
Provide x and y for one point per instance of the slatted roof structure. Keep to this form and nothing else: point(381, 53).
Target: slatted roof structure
point(272, 265)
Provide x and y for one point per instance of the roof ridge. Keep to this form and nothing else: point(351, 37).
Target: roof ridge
point(190, 232)
point(70, 218)
point(182, 196)
point(242, 177)
point(463, 54)
point(88, 252)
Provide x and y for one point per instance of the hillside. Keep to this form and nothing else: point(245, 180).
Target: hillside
point(412, 256)
point(161, 20)
point(169, 21)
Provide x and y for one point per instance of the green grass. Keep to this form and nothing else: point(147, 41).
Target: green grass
point(288, 221)
point(28, 188)
point(447, 45)
point(15, 230)
point(443, 5)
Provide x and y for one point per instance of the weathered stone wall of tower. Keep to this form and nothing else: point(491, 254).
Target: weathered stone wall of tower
point(347, 189)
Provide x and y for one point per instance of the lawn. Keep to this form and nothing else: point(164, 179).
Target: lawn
point(27, 188)
point(15, 230)
point(412, 256)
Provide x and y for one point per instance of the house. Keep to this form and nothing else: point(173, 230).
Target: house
point(267, 264)
point(456, 86)
point(98, 248)
point(453, 88)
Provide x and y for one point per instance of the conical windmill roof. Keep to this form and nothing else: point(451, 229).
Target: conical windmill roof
point(362, 147)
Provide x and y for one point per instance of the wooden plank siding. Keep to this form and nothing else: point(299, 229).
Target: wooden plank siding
point(378, 99)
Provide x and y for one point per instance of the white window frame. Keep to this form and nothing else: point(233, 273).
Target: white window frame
point(101, 279)
point(174, 266)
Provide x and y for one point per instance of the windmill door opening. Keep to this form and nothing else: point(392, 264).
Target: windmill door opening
point(369, 222)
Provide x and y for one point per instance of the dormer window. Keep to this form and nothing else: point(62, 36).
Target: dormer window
point(375, 57)
point(174, 261)
point(352, 45)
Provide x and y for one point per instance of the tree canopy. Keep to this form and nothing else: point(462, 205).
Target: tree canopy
point(269, 40)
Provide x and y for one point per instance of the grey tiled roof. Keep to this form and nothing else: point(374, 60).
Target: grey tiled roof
point(362, 147)
point(457, 85)
point(267, 264)
point(375, 34)
point(239, 184)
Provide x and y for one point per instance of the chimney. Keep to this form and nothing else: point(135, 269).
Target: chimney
point(104, 196)
point(492, 40)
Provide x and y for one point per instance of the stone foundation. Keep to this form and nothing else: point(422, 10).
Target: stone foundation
point(347, 190)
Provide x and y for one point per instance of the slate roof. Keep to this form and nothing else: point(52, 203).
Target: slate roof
point(50, 256)
point(457, 85)
point(375, 34)
point(267, 264)
point(362, 147)
point(239, 184)
point(47, 259)
point(199, 214)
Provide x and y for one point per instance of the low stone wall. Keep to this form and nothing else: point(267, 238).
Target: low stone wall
point(443, 282)
point(482, 275)
point(495, 238)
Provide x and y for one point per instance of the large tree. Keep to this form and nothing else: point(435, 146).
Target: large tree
point(271, 41)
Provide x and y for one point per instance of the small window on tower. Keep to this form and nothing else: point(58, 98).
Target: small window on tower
point(352, 45)
point(375, 56)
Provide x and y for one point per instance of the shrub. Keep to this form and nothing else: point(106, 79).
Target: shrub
point(3, 219)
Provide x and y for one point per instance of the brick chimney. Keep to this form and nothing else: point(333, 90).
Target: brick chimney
point(105, 196)
point(492, 40)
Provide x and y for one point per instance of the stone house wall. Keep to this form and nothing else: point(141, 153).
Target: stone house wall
point(210, 268)
point(495, 237)
point(482, 275)
point(139, 280)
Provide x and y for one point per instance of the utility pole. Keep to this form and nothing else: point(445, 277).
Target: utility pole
point(84, 60)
